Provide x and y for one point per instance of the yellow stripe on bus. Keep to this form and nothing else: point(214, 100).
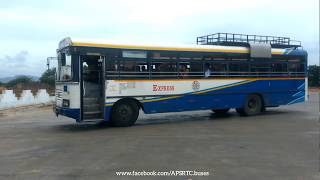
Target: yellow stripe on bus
point(159, 48)
point(247, 51)
point(223, 87)
point(166, 48)
point(160, 99)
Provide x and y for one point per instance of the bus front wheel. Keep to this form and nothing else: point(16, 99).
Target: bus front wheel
point(252, 106)
point(124, 113)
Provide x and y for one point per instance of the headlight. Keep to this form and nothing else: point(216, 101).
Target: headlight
point(65, 103)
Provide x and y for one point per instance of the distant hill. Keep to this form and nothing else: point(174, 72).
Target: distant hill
point(7, 79)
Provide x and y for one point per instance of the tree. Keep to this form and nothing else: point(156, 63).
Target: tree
point(19, 80)
point(314, 75)
point(48, 77)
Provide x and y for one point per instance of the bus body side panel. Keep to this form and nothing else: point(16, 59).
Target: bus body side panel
point(215, 94)
point(69, 92)
point(107, 112)
point(287, 92)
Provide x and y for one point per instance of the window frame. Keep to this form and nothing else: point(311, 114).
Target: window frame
point(73, 64)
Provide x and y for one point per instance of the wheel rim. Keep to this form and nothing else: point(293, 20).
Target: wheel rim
point(253, 105)
point(124, 111)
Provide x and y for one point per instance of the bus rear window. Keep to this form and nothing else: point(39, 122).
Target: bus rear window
point(296, 67)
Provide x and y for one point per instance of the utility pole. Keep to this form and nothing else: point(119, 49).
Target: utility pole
point(49, 59)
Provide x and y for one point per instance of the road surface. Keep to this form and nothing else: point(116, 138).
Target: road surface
point(282, 143)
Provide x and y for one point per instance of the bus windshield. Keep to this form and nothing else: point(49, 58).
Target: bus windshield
point(64, 67)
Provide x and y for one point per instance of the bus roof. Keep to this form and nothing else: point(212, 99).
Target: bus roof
point(190, 48)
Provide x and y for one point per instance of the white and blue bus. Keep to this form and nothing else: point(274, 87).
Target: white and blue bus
point(112, 82)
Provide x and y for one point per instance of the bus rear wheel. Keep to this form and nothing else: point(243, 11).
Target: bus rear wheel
point(220, 111)
point(124, 113)
point(253, 106)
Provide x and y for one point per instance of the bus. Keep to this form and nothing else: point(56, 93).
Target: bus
point(96, 80)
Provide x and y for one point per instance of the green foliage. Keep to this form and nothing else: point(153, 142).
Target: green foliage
point(48, 77)
point(313, 76)
point(21, 80)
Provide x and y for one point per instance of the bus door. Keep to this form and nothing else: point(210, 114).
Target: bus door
point(92, 86)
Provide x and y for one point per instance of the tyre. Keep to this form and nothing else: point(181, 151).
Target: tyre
point(124, 113)
point(252, 106)
point(220, 111)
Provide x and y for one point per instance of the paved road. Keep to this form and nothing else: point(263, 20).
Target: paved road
point(282, 143)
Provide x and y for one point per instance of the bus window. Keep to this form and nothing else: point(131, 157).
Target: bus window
point(64, 67)
point(196, 69)
point(142, 70)
point(164, 67)
point(301, 67)
point(184, 69)
point(133, 69)
point(127, 66)
point(112, 68)
point(164, 70)
point(111, 65)
point(207, 70)
point(260, 69)
point(279, 67)
point(238, 69)
point(296, 67)
point(143, 67)
point(219, 68)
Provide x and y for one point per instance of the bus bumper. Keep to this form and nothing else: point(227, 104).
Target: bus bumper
point(71, 113)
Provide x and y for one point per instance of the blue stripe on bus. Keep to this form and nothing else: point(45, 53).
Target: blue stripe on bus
point(300, 93)
point(301, 86)
point(300, 99)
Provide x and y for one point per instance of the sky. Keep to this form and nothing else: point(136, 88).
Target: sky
point(30, 30)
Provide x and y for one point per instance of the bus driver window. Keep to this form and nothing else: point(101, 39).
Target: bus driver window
point(65, 68)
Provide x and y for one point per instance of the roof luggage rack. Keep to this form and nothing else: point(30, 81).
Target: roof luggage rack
point(229, 39)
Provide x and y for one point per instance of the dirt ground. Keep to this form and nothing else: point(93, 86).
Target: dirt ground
point(282, 143)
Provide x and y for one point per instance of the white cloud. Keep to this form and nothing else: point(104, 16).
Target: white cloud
point(18, 64)
point(37, 26)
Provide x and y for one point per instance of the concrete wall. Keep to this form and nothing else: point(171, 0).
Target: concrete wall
point(9, 100)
